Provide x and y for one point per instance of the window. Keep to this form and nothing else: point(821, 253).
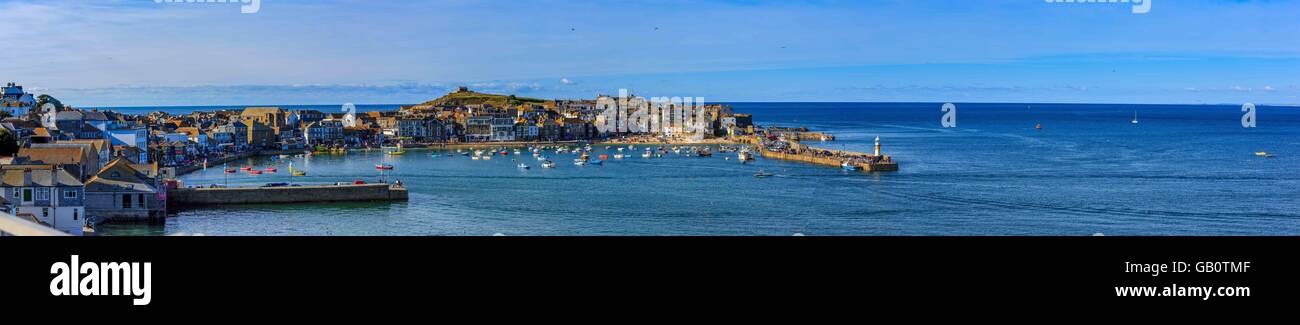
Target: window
point(45, 212)
point(126, 201)
point(74, 215)
point(42, 194)
point(69, 194)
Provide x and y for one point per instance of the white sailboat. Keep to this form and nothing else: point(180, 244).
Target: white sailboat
point(1135, 117)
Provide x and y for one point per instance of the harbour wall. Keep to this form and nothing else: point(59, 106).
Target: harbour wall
point(285, 194)
point(828, 161)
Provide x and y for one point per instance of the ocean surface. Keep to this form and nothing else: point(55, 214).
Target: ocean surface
point(1183, 170)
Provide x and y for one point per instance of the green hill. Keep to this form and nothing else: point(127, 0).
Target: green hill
point(466, 97)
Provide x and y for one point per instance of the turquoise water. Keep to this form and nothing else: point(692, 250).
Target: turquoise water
point(1183, 170)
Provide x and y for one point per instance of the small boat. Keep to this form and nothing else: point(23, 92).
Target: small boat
point(1261, 154)
point(384, 167)
point(399, 150)
point(647, 154)
point(850, 167)
point(245, 169)
point(596, 162)
point(1135, 117)
point(295, 172)
point(271, 169)
point(703, 153)
point(618, 156)
point(604, 157)
point(745, 156)
point(487, 157)
point(434, 155)
point(762, 174)
point(1038, 126)
point(579, 162)
point(523, 166)
point(231, 171)
point(476, 157)
point(464, 153)
point(542, 158)
point(254, 172)
point(548, 164)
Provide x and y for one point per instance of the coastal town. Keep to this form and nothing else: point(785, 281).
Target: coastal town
point(70, 168)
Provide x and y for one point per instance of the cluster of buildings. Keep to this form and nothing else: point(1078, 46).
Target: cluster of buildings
point(76, 165)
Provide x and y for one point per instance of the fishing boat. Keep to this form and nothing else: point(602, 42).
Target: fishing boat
point(548, 164)
point(384, 167)
point(745, 156)
point(850, 167)
point(762, 174)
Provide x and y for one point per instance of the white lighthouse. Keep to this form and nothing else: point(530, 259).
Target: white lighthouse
point(877, 146)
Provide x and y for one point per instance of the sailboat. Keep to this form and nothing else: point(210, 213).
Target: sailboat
point(1135, 117)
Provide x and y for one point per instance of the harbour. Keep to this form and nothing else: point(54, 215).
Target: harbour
point(1092, 171)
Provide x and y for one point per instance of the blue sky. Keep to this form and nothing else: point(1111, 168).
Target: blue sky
point(138, 52)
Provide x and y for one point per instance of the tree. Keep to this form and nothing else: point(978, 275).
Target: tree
point(35, 113)
point(8, 143)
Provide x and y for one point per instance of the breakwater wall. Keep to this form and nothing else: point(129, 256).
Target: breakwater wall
point(285, 194)
point(829, 161)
